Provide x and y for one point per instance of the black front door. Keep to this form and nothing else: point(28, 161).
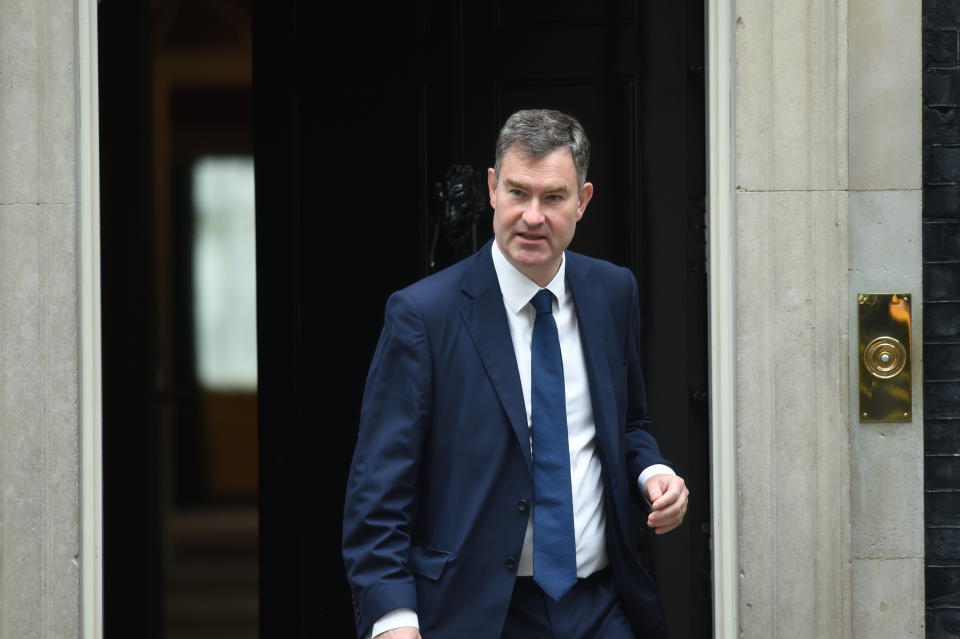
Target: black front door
point(359, 113)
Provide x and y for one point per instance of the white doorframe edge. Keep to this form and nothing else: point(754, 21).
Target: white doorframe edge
point(91, 470)
point(721, 263)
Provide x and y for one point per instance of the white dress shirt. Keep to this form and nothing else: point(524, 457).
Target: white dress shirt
point(589, 517)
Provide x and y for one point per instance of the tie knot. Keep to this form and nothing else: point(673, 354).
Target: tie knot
point(543, 301)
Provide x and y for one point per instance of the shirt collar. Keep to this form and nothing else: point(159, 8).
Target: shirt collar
point(518, 289)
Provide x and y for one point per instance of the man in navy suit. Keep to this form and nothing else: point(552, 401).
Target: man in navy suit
point(503, 435)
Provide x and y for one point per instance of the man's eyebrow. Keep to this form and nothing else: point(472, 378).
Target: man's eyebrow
point(555, 188)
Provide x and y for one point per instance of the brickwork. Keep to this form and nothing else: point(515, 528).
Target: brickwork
point(941, 277)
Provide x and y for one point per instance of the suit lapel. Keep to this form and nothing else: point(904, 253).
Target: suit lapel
point(486, 320)
point(592, 308)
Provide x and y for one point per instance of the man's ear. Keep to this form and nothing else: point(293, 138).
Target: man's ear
point(586, 193)
point(492, 186)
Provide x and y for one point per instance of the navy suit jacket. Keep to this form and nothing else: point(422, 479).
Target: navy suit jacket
point(440, 485)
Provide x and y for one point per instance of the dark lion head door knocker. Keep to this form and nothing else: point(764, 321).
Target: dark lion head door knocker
point(463, 193)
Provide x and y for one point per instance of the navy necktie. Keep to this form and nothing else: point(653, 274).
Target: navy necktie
point(554, 548)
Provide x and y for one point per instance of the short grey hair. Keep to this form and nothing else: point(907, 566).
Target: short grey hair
point(538, 132)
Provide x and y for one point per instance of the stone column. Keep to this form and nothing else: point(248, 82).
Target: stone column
point(792, 330)
point(39, 347)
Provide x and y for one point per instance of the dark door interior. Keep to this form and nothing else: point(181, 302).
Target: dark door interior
point(179, 384)
point(359, 111)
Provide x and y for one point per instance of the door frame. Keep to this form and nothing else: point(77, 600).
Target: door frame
point(90, 397)
point(722, 318)
point(722, 301)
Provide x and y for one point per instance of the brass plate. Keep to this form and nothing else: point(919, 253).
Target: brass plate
point(884, 339)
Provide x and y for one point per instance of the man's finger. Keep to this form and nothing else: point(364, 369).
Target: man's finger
point(653, 491)
point(669, 493)
point(665, 520)
point(666, 499)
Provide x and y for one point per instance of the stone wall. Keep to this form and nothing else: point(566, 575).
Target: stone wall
point(884, 222)
point(39, 348)
point(827, 148)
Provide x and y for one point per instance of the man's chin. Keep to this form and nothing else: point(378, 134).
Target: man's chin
point(534, 264)
point(529, 259)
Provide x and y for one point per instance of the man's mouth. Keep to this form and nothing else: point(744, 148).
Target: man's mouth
point(530, 236)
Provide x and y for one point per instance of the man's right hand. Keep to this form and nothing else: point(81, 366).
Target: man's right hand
point(407, 632)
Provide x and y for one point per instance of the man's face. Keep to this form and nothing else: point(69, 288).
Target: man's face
point(536, 207)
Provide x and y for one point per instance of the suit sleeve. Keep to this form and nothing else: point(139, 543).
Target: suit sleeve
point(394, 419)
point(642, 449)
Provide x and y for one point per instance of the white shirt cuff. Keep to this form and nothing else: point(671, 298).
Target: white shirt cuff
point(397, 618)
point(648, 472)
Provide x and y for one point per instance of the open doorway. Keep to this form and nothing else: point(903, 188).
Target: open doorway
point(179, 320)
point(353, 134)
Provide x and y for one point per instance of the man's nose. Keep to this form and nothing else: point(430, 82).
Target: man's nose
point(532, 215)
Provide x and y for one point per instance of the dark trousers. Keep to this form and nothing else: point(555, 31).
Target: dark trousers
point(591, 610)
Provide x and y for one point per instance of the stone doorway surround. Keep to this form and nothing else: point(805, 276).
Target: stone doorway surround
point(815, 196)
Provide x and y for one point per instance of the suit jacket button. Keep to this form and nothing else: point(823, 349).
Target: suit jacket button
point(511, 563)
point(523, 505)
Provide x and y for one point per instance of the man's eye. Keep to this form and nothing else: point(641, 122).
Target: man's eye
point(515, 192)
